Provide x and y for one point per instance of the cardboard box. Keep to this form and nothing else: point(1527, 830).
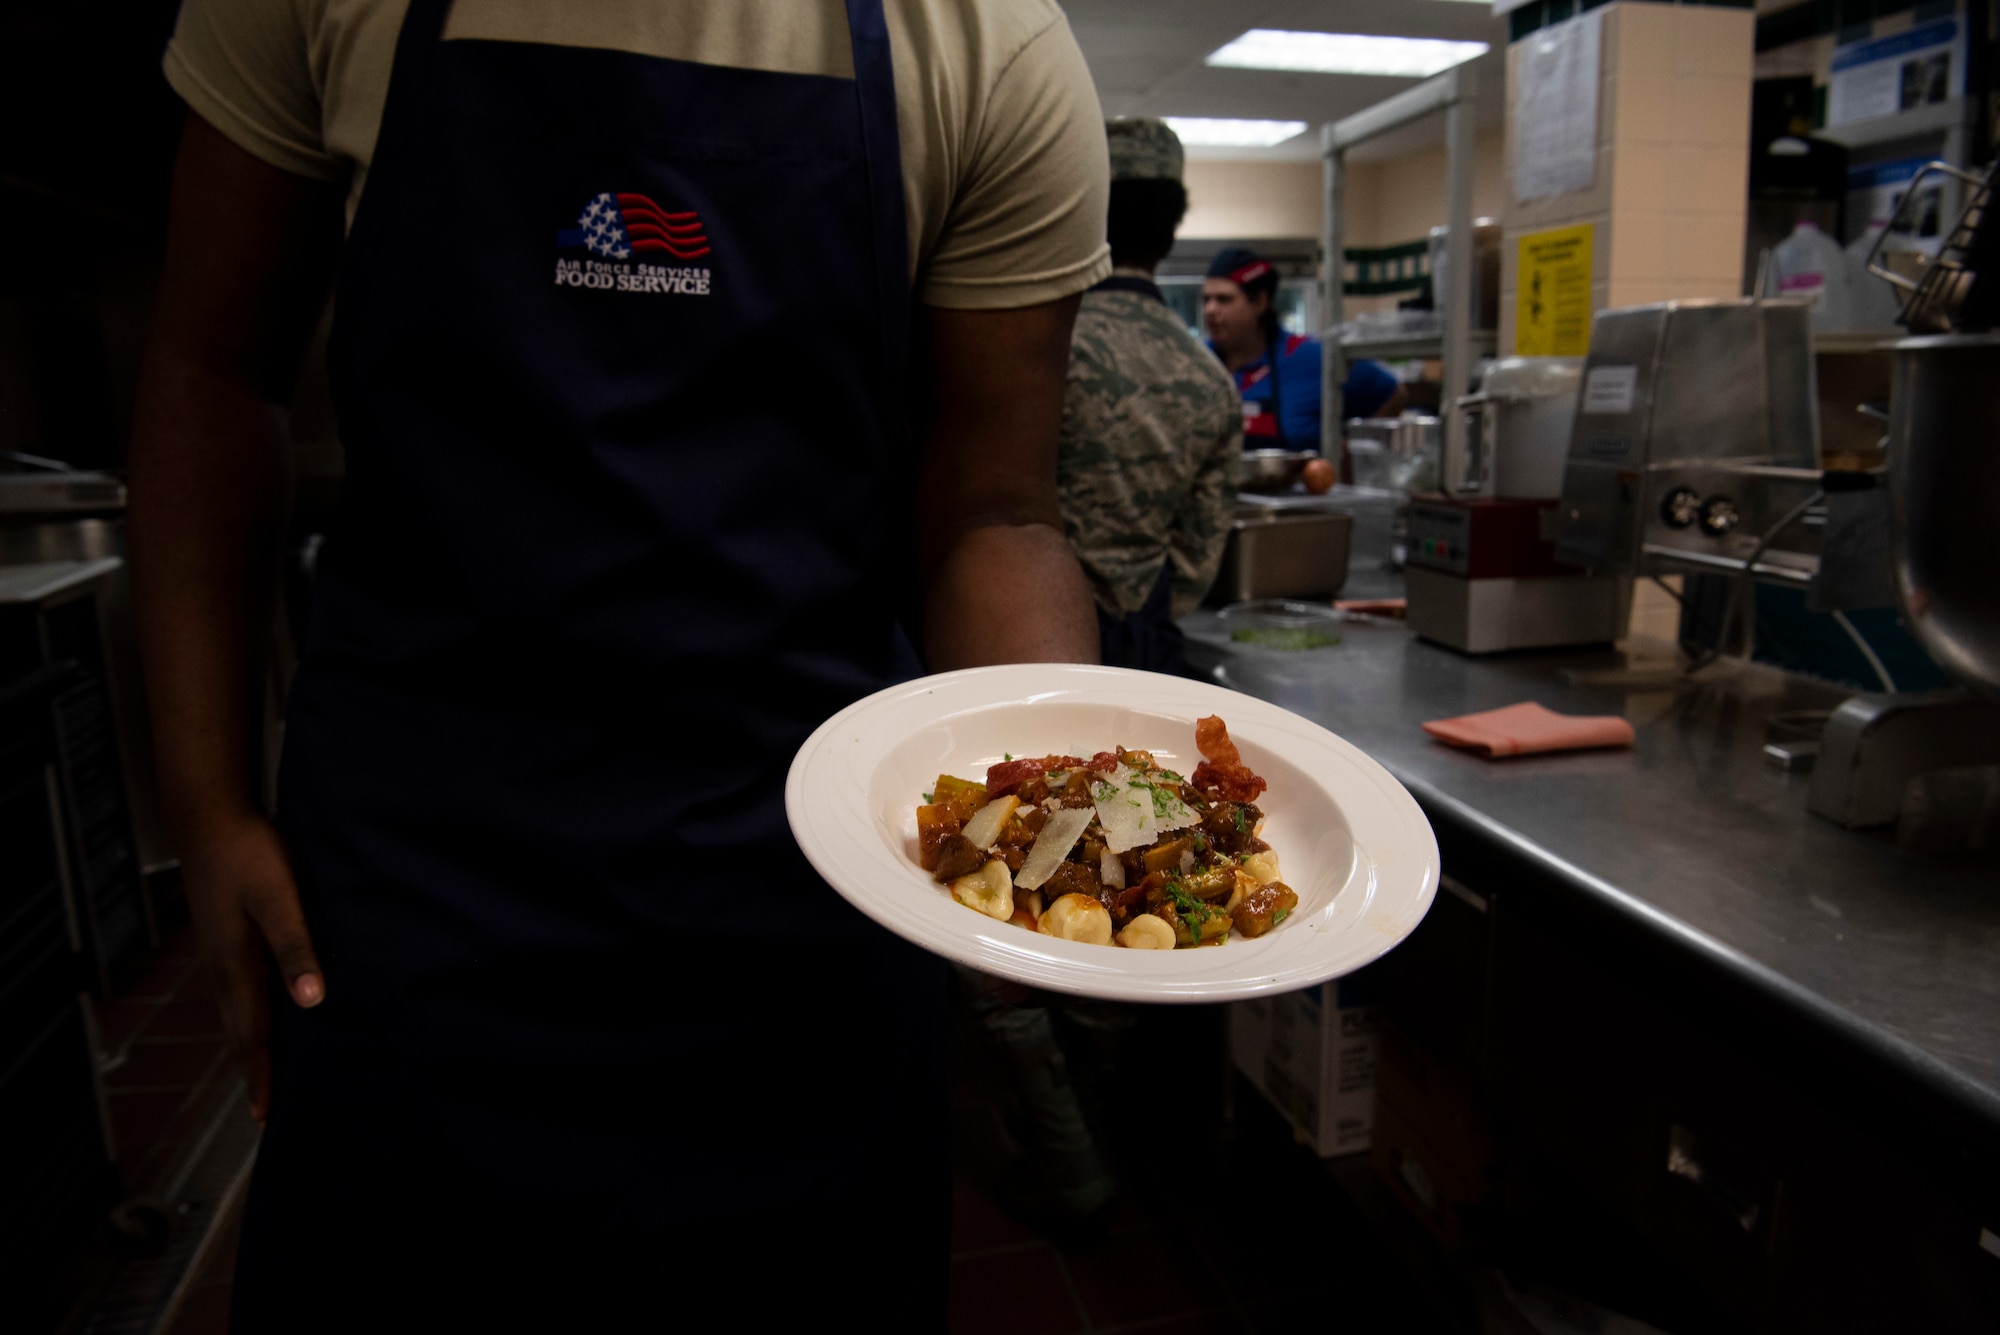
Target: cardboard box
point(1312, 1054)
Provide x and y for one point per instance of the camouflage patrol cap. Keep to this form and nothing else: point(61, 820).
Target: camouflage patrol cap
point(1143, 149)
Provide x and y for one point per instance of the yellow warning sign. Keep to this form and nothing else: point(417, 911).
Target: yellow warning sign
point(1552, 305)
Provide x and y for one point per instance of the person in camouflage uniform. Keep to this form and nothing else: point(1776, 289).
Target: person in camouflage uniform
point(1151, 423)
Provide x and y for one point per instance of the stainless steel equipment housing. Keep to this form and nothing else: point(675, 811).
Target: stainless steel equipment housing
point(1726, 384)
point(1293, 554)
point(81, 517)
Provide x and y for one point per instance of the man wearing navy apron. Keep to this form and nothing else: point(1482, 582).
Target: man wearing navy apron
point(573, 1035)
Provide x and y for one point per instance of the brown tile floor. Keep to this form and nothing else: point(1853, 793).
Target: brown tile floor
point(1258, 1239)
point(1289, 1255)
point(168, 1065)
point(205, 1309)
point(167, 1074)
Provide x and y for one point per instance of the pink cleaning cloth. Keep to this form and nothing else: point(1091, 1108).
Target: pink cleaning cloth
point(1526, 728)
point(1381, 607)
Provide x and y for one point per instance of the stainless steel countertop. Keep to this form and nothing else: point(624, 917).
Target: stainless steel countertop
point(1688, 835)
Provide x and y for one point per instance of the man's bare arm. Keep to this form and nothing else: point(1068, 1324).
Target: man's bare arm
point(1001, 584)
point(246, 265)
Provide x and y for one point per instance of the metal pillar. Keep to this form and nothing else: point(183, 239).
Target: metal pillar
point(1333, 283)
point(1453, 93)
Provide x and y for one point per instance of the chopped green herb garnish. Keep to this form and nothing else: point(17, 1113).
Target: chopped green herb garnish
point(929, 798)
point(1240, 822)
point(1185, 904)
point(1006, 755)
point(1290, 638)
point(1280, 916)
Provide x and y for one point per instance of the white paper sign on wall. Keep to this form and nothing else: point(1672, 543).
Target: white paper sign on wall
point(1555, 108)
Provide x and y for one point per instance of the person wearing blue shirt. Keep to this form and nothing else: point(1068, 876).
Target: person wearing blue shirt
point(1277, 374)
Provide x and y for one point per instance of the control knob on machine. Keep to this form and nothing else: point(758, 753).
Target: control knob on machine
point(1681, 507)
point(1719, 516)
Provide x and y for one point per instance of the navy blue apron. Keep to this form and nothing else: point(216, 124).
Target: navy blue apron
point(618, 360)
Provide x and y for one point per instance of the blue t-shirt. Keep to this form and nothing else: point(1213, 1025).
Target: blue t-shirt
point(1294, 423)
point(1369, 386)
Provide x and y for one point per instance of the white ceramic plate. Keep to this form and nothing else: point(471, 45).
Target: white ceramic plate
point(1350, 840)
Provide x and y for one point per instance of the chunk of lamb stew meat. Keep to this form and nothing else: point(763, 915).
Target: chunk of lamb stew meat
point(958, 856)
point(1018, 836)
point(1232, 826)
point(1072, 878)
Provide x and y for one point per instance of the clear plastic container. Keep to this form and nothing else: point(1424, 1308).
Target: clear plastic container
point(1282, 624)
point(1406, 453)
point(1878, 303)
point(1811, 266)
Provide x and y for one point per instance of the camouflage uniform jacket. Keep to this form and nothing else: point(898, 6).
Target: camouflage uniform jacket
point(1151, 426)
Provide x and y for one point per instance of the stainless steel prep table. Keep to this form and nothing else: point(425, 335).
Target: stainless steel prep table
point(1828, 975)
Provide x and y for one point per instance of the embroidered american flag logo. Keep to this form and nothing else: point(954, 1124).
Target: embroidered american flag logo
point(615, 226)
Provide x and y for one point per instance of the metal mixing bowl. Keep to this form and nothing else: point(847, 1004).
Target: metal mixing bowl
point(1271, 471)
point(1944, 490)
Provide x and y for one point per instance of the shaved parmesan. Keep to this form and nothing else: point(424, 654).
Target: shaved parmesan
point(1175, 814)
point(1110, 870)
point(1126, 813)
point(1135, 811)
point(987, 822)
point(1052, 845)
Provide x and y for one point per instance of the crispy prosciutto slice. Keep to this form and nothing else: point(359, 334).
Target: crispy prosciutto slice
point(1222, 773)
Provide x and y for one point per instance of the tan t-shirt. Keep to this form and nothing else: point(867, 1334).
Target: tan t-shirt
point(1004, 163)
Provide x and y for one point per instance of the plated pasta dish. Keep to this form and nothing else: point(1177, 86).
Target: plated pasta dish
point(1113, 850)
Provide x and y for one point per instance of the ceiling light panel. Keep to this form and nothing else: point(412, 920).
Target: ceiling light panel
point(1344, 53)
point(1210, 132)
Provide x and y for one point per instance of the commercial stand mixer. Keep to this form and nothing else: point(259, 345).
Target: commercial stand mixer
point(1883, 754)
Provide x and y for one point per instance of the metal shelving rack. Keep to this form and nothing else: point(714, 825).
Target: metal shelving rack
point(1451, 93)
point(1949, 120)
point(1481, 342)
